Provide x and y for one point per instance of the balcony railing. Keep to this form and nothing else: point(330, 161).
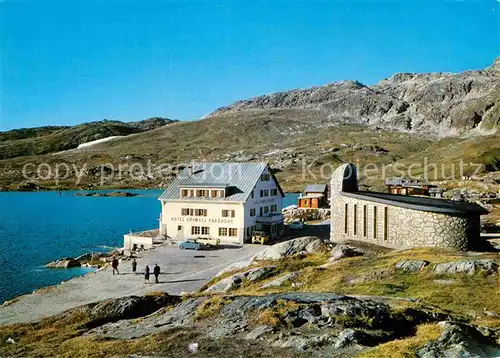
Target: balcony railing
point(270, 218)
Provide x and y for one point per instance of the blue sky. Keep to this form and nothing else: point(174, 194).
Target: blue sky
point(78, 61)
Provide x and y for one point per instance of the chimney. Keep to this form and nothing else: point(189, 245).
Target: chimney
point(190, 170)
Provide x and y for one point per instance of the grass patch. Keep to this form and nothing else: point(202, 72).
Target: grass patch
point(406, 348)
point(274, 316)
point(155, 293)
point(493, 322)
point(210, 307)
point(288, 264)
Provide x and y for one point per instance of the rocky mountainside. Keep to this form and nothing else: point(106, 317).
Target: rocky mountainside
point(49, 139)
point(443, 104)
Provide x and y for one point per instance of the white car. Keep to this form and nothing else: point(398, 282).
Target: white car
point(296, 225)
point(207, 241)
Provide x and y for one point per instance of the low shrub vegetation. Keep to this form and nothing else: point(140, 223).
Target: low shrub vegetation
point(405, 348)
point(210, 307)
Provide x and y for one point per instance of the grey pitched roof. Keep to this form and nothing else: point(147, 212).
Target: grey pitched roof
point(240, 177)
point(420, 203)
point(316, 188)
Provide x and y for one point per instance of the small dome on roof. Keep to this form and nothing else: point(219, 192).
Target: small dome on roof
point(345, 178)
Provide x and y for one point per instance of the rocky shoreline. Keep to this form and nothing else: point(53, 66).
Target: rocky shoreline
point(91, 259)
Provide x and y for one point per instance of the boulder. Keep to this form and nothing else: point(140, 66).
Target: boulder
point(130, 307)
point(460, 340)
point(467, 266)
point(348, 337)
point(226, 284)
point(281, 280)
point(302, 343)
point(306, 244)
point(235, 266)
point(258, 331)
point(64, 263)
point(343, 251)
point(259, 273)
point(411, 265)
point(234, 281)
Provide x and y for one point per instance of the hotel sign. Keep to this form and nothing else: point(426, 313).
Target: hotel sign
point(201, 220)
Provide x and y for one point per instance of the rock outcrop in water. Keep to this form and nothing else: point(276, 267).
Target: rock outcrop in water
point(64, 263)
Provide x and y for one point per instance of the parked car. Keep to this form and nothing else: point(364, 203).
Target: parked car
point(208, 241)
point(297, 225)
point(190, 244)
point(260, 237)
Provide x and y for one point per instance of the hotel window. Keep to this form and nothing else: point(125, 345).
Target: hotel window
point(223, 231)
point(274, 192)
point(184, 192)
point(214, 193)
point(355, 217)
point(374, 222)
point(191, 193)
point(274, 208)
point(252, 212)
point(261, 211)
point(266, 209)
point(264, 193)
point(228, 213)
point(184, 212)
point(265, 177)
point(201, 193)
point(179, 227)
point(222, 193)
point(233, 232)
point(346, 218)
point(205, 230)
point(251, 194)
point(195, 230)
point(200, 212)
point(386, 233)
point(364, 221)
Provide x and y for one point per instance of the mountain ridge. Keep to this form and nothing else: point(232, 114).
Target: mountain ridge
point(50, 139)
point(439, 103)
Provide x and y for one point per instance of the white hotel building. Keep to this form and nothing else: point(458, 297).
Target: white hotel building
point(222, 200)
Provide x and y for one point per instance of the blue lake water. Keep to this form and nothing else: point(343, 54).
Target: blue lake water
point(36, 228)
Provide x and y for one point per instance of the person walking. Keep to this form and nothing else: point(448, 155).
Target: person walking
point(114, 265)
point(134, 266)
point(146, 274)
point(156, 272)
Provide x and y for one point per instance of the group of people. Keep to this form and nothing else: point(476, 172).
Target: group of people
point(156, 270)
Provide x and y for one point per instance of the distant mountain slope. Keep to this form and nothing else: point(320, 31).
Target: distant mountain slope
point(297, 132)
point(438, 103)
point(43, 140)
point(296, 142)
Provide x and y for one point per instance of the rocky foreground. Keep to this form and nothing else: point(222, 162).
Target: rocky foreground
point(297, 298)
